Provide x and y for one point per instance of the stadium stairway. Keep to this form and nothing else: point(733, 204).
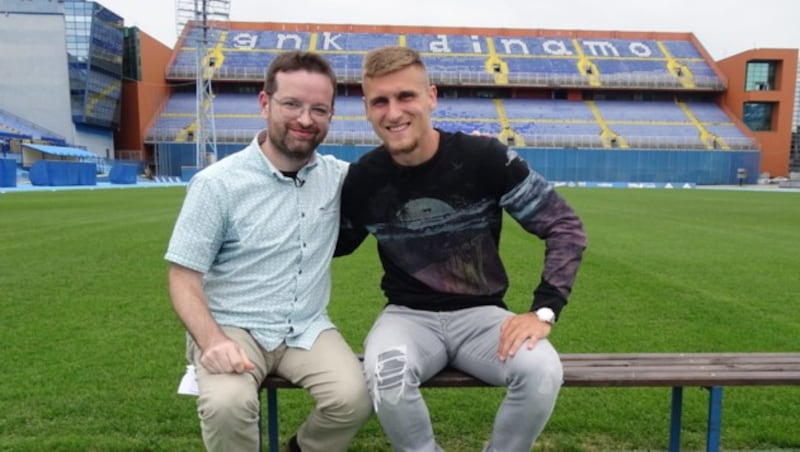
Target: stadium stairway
point(676, 68)
point(610, 138)
point(586, 67)
point(710, 140)
point(187, 133)
point(216, 57)
point(496, 66)
point(508, 134)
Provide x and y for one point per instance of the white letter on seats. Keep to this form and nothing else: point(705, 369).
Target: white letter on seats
point(476, 44)
point(440, 46)
point(604, 46)
point(556, 48)
point(640, 49)
point(330, 41)
point(297, 41)
point(507, 43)
point(245, 41)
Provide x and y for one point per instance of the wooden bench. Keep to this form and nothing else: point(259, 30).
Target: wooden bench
point(712, 371)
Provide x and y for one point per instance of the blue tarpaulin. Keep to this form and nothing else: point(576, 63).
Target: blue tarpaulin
point(8, 173)
point(54, 173)
point(62, 151)
point(123, 174)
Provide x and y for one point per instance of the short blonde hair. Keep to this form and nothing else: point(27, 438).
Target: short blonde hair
point(386, 60)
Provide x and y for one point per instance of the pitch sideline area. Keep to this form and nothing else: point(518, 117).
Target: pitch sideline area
point(625, 185)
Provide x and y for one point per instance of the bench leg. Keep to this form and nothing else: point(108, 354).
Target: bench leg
point(675, 419)
point(260, 431)
point(714, 418)
point(272, 419)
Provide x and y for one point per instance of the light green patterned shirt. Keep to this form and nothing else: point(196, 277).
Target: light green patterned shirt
point(264, 243)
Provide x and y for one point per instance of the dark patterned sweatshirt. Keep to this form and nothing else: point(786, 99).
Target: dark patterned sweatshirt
point(438, 224)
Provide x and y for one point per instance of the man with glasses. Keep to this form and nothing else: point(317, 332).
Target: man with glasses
point(249, 272)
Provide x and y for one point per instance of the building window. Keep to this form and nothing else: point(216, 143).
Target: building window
point(758, 115)
point(794, 155)
point(760, 75)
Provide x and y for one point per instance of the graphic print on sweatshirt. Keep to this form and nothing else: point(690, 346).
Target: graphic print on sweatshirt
point(449, 248)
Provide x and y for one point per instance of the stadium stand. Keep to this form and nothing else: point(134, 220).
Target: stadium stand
point(556, 99)
point(14, 127)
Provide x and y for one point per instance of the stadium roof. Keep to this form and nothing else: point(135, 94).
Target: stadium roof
point(61, 151)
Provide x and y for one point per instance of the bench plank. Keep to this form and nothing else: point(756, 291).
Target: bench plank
point(650, 369)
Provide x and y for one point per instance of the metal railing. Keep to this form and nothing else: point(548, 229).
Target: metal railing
point(479, 78)
point(367, 137)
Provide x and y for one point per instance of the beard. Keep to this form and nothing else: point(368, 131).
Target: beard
point(291, 146)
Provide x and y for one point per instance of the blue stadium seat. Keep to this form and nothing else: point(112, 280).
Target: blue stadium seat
point(708, 112)
point(349, 106)
point(682, 49)
point(641, 111)
point(547, 109)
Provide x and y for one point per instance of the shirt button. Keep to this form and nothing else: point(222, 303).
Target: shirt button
point(302, 214)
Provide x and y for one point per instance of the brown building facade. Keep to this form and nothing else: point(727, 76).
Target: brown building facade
point(761, 93)
point(144, 93)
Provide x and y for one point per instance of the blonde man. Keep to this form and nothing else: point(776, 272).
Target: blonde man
point(434, 201)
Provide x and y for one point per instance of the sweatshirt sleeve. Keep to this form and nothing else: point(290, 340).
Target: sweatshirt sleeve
point(540, 210)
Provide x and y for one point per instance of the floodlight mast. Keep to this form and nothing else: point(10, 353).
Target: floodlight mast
point(208, 18)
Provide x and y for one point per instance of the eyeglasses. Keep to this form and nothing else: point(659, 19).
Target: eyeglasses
point(294, 108)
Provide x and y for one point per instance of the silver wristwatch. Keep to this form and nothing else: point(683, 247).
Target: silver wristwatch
point(546, 315)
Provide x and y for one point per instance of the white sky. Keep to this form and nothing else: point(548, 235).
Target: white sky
point(724, 27)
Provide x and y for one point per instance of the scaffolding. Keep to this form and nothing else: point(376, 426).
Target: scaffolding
point(206, 17)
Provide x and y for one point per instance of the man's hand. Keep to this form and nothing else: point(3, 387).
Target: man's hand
point(225, 356)
point(519, 329)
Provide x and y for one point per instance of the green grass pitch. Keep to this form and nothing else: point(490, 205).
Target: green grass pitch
point(92, 353)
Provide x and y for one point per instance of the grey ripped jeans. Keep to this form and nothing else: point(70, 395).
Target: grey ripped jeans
point(406, 347)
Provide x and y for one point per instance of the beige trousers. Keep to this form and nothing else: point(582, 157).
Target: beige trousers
point(228, 404)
